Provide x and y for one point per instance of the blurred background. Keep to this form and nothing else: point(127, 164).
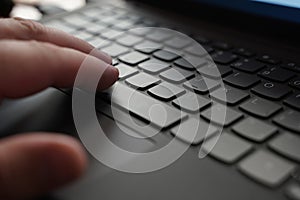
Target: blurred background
point(36, 9)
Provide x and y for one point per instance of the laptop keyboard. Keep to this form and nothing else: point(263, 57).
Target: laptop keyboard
point(263, 119)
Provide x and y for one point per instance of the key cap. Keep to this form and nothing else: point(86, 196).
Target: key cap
point(115, 62)
point(148, 47)
point(133, 58)
point(221, 115)
point(295, 83)
point(266, 168)
point(111, 34)
point(76, 20)
point(63, 26)
point(142, 81)
point(190, 63)
point(228, 148)
point(95, 29)
point(255, 130)
point(293, 191)
point(191, 102)
point(271, 90)
point(268, 59)
point(290, 119)
point(126, 71)
point(241, 80)
point(224, 58)
point(140, 31)
point(159, 36)
point(129, 40)
point(293, 101)
point(176, 75)
point(213, 71)
point(229, 95)
point(246, 65)
point(244, 52)
point(83, 35)
point(115, 50)
point(276, 74)
point(193, 131)
point(178, 42)
point(260, 107)
point(201, 85)
point(165, 91)
point(288, 145)
point(291, 66)
point(99, 43)
point(149, 109)
point(222, 46)
point(154, 66)
point(165, 55)
point(124, 25)
point(196, 50)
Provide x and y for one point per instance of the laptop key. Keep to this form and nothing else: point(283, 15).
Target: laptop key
point(290, 119)
point(222, 46)
point(215, 72)
point(165, 91)
point(111, 34)
point(241, 80)
point(244, 52)
point(159, 36)
point(148, 47)
point(126, 71)
point(94, 28)
point(291, 66)
point(271, 91)
point(268, 59)
point(229, 95)
point(221, 115)
point(193, 131)
point(224, 58)
point(255, 130)
point(201, 85)
point(288, 145)
point(178, 42)
point(129, 40)
point(99, 43)
point(154, 66)
point(144, 106)
point(165, 55)
point(191, 102)
point(293, 191)
point(276, 74)
point(115, 50)
point(295, 83)
point(133, 58)
point(176, 75)
point(246, 65)
point(228, 148)
point(142, 81)
point(267, 168)
point(260, 107)
point(198, 51)
point(293, 101)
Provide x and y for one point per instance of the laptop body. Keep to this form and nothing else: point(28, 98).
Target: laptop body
point(188, 177)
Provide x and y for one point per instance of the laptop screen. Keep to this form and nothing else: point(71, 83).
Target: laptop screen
point(287, 10)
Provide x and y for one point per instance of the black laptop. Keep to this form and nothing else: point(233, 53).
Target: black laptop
point(256, 147)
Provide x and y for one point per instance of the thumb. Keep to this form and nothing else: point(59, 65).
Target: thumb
point(32, 164)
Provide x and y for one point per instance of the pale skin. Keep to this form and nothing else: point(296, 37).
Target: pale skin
point(32, 58)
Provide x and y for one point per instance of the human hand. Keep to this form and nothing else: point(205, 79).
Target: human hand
point(33, 58)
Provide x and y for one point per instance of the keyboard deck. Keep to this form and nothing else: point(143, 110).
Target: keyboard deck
point(262, 125)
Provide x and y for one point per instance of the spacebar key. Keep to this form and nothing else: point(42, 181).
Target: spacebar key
point(143, 106)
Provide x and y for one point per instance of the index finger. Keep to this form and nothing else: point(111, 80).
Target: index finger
point(22, 29)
